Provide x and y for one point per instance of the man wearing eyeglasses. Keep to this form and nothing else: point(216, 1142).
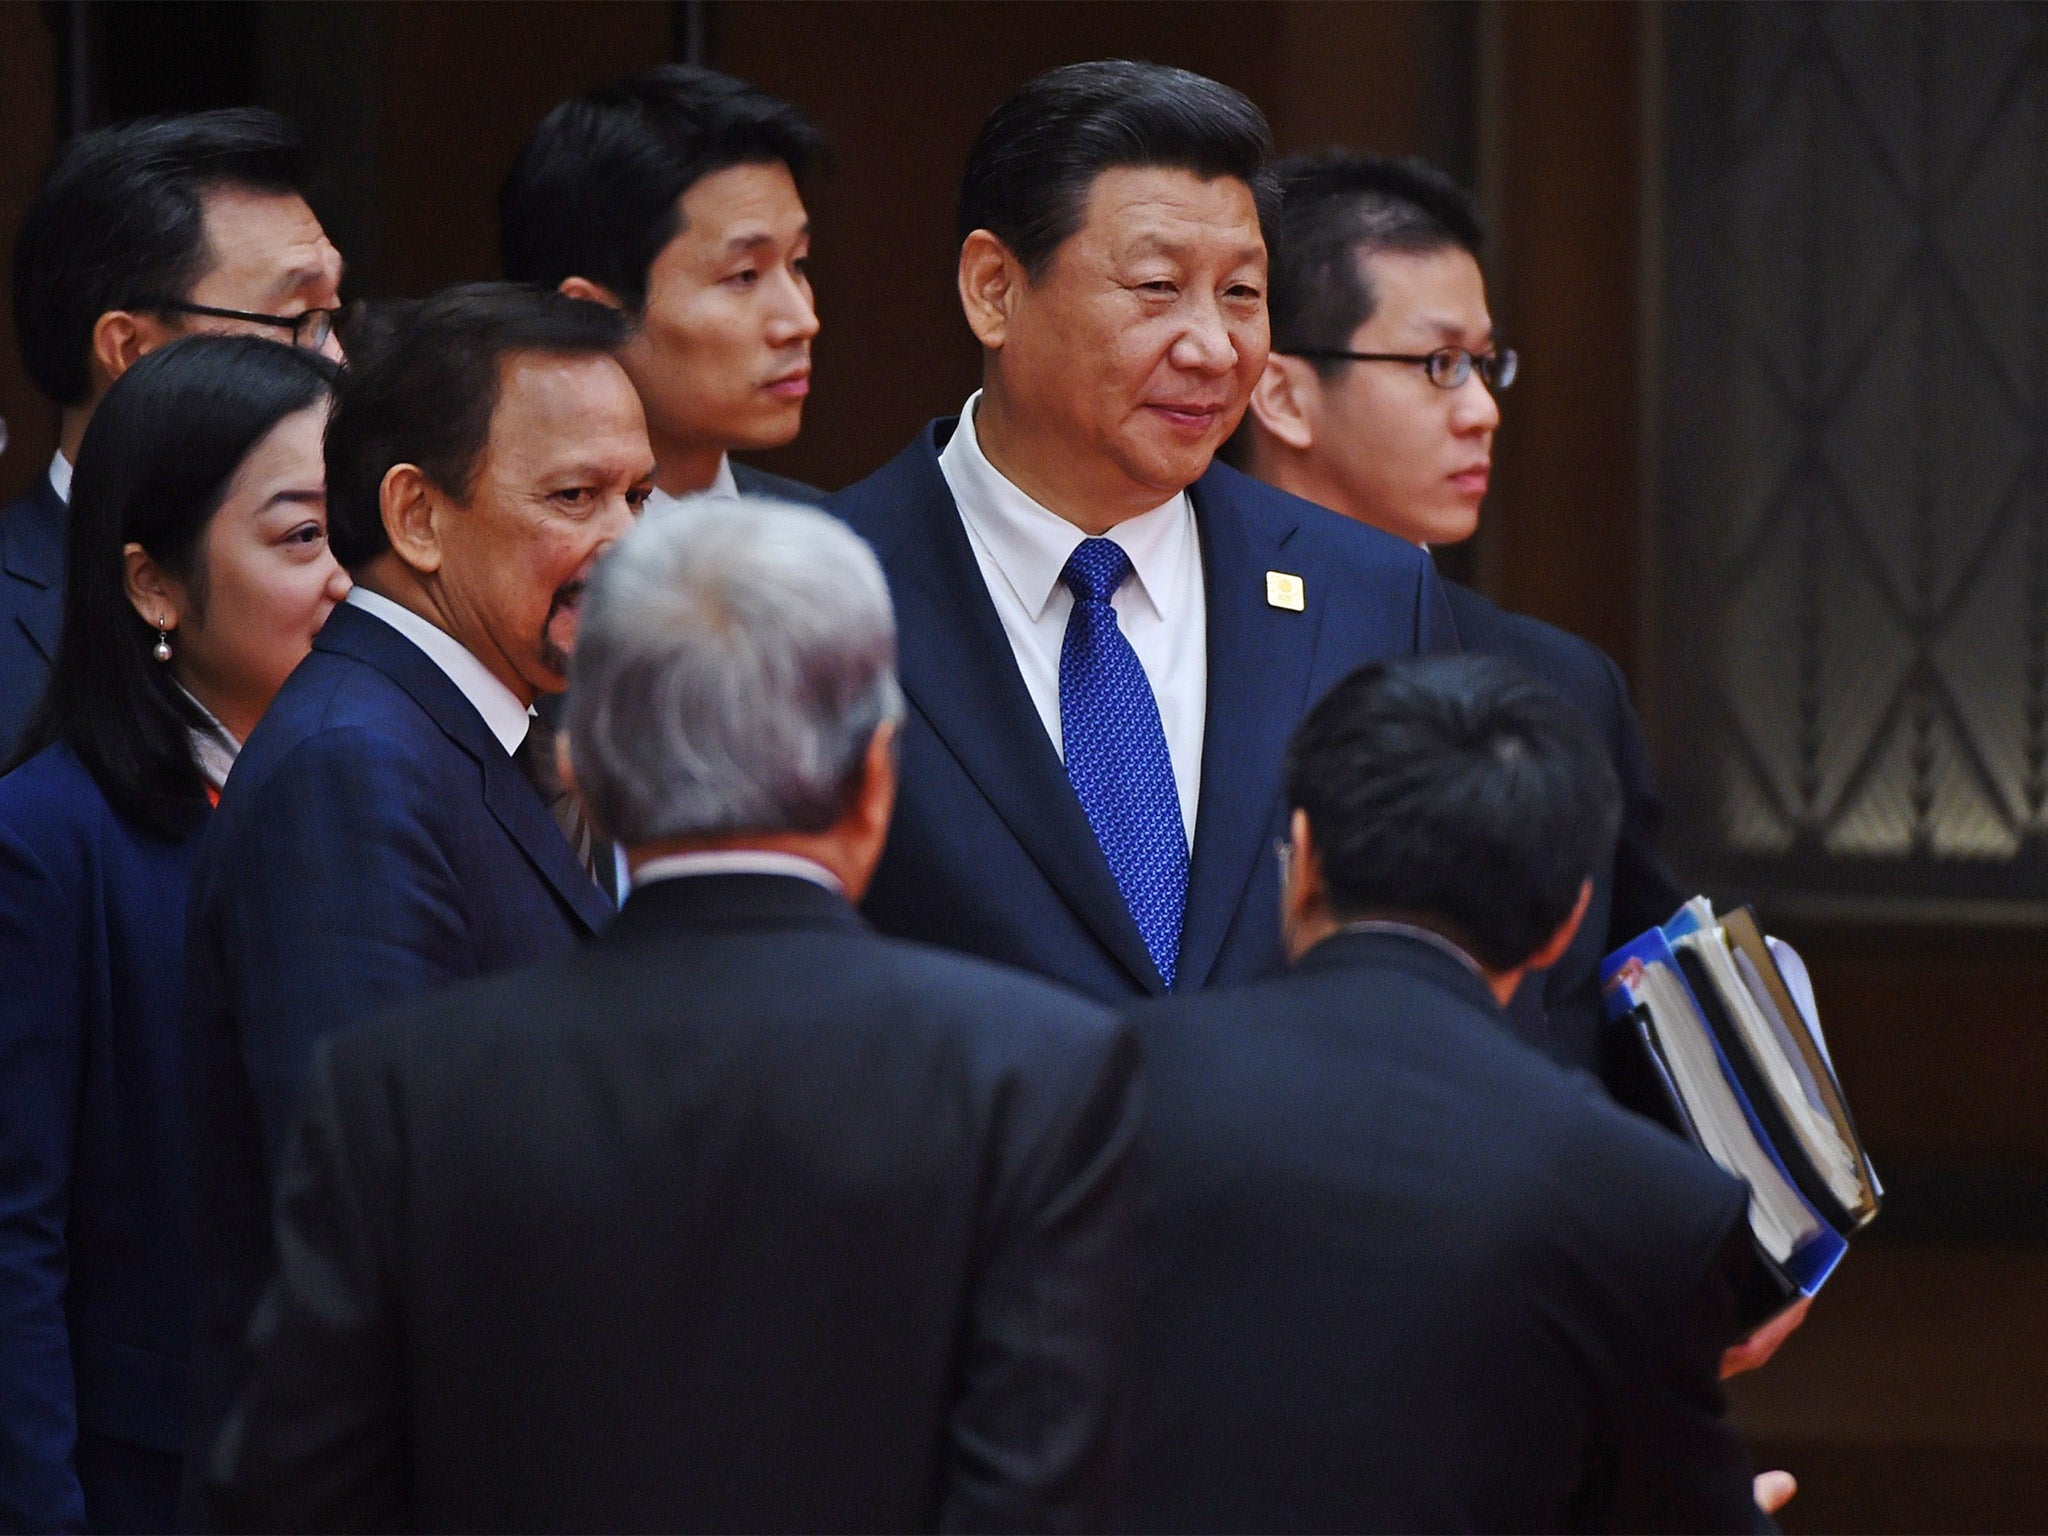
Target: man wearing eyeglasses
point(139, 235)
point(1378, 400)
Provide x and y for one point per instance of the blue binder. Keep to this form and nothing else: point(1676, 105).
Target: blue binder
point(1623, 974)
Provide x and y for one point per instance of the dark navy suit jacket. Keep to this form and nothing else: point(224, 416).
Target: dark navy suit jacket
point(1408, 1275)
point(374, 841)
point(31, 603)
point(95, 1267)
point(758, 482)
point(1559, 1010)
point(739, 1217)
point(990, 851)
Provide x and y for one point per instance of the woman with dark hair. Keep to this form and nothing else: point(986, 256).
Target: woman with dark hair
point(198, 574)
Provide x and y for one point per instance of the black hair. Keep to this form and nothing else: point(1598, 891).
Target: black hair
point(156, 461)
point(1032, 164)
point(1455, 789)
point(426, 391)
point(120, 219)
point(597, 191)
point(1337, 206)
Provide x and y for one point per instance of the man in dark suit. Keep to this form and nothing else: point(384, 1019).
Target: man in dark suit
point(675, 196)
point(394, 822)
point(140, 234)
point(1106, 638)
point(741, 1217)
point(1378, 401)
point(1408, 1274)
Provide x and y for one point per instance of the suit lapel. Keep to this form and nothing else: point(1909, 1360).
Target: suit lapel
point(1260, 661)
point(960, 674)
point(350, 631)
point(33, 553)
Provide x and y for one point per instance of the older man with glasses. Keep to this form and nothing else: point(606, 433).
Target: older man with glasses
point(139, 235)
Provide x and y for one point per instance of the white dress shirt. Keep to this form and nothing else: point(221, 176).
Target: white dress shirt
point(722, 484)
point(1022, 547)
point(503, 713)
point(738, 861)
point(60, 477)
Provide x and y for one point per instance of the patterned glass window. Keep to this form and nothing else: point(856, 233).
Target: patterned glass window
point(1851, 658)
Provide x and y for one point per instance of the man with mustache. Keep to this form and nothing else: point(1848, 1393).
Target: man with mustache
point(1106, 639)
point(397, 821)
point(676, 197)
point(1378, 401)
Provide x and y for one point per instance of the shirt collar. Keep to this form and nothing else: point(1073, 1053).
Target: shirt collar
point(60, 477)
point(214, 746)
point(737, 861)
point(503, 713)
point(722, 484)
point(1031, 544)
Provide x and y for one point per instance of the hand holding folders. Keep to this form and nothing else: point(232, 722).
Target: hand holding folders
point(1727, 1026)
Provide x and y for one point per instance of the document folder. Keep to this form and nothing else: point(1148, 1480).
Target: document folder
point(1737, 1057)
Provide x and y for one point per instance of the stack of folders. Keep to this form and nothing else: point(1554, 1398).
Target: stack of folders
point(1727, 1022)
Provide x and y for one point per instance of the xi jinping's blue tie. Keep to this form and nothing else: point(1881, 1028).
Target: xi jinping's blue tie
point(1116, 754)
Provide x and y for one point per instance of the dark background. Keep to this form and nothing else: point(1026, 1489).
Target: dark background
point(1913, 1399)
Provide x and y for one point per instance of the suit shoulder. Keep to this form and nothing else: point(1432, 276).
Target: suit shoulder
point(884, 505)
point(975, 992)
point(337, 706)
point(53, 809)
point(1323, 530)
point(759, 482)
point(1571, 664)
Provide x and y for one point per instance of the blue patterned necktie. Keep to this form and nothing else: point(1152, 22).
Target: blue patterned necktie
point(1116, 754)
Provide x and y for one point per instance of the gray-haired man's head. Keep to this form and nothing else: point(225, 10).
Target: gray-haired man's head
point(734, 662)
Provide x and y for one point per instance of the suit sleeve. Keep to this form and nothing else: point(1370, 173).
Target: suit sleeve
point(1035, 1433)
point(42, 1067)
point(316, 1440)
point(1681, 1466)
point(1646, 893)
point(341, 904)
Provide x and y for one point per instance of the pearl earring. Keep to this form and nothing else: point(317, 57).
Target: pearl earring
point(162, 650)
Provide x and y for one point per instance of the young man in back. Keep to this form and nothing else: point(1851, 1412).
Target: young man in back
point(1378, 401)
point(675, 196)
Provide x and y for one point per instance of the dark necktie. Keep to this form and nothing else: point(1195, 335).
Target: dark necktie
point(536, 759)
point(1116, 754)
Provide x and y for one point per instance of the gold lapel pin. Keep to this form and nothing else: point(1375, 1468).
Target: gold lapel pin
point(1285, 591)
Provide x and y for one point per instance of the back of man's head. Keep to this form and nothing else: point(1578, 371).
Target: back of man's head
point(120, 220)
point(1458, 791)
point(733, 663)
point(1036, 156)
point(426, 389)
point(1338, 207)
point(597, 191)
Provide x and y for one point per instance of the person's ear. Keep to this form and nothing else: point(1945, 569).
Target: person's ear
point(867, 819)
point(157, 597)
point(406, 500)
point(596, 293)
point(1305, 894)
point(991, 281)
point(120, 339)
point(1554, 947)
point(1283, 400)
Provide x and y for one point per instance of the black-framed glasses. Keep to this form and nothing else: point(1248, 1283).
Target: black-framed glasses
point(310, 328)
point(1447, 367)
